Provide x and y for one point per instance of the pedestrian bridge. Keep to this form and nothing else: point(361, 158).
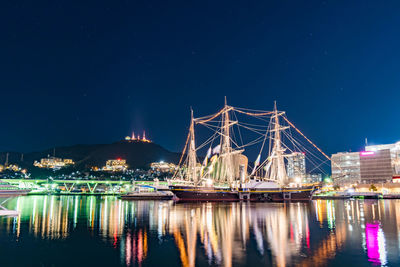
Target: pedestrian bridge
point(86, 186)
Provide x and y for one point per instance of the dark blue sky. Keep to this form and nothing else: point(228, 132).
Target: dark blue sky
point(93, 71)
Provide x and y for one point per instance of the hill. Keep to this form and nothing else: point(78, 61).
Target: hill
point(137, 154)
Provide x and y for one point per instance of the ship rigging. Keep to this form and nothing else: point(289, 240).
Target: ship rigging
point(226, 167)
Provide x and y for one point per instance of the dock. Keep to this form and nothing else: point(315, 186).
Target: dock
point(358, 195)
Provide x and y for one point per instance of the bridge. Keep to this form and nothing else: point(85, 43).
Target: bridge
point(71, 186)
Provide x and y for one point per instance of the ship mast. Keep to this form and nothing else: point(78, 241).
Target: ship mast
point(192, 175)
point(277, 167)
point(226, 171)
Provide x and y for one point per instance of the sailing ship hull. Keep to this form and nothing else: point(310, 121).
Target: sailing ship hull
point(285, 194)
point(148, 196)
point(187, 193)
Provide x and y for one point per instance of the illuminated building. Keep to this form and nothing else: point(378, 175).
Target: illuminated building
point(53, 163)
point(136, 138)
point(68, 161)
point(115, 165)
point(163, 166)
point(396, 179)
point(296, 166)
point(313, 178)
point(12, 167)
point(346, 167)
point(394, 154)
point(362, 167)
point(376, 166)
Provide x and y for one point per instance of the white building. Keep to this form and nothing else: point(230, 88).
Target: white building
point(378, 163)
point(346, 167)
point(53, 163)
point(115, 165)
point(163, 166)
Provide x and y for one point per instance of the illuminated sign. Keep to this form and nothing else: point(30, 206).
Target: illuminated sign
point(367, 153)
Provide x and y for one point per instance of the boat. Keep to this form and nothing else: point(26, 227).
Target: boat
point(147, 193)
point(224, 174)
point(6, 189)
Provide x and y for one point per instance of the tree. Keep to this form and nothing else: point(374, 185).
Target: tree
point(373, 188)
point(336, 187)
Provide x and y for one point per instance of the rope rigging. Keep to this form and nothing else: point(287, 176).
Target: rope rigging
point(264, 133)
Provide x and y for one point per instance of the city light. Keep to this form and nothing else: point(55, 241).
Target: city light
point(53, 163)
point(209, 182)
point(367, 153)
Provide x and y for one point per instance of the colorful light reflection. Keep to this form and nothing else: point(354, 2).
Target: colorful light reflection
point(376, 248)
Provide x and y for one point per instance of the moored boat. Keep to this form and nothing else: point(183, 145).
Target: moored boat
point(6, 189)
point(147, 193)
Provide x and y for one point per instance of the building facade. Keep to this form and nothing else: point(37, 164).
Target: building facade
point(296, 166)
point(376, 166)
point(53, 163)
point(346, 167)
point(163, 166)
point(394, 154)
point(313, 178)
point(115, 165)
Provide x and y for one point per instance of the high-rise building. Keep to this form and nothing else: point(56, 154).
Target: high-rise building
point(394, 154)
point(346, 167)
point(296, 166)
point(376, 166)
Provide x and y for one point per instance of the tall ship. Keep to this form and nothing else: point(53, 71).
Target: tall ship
point(224, 174)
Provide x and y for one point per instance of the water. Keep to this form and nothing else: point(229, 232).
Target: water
point(106, 231)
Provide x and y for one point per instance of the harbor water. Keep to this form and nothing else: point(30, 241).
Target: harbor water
point(107, 231)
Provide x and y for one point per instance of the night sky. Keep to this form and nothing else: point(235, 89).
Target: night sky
point(93, 71)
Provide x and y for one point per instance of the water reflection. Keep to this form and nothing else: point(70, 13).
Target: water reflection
point(225, 234)
point(225, 231)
